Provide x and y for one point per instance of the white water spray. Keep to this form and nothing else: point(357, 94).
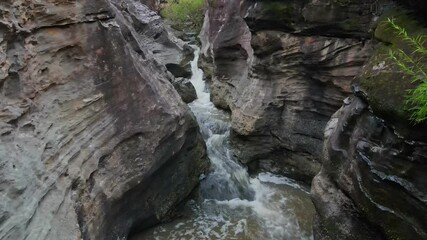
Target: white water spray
point(232, 205)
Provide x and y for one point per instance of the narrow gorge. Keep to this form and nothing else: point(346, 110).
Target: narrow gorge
point(250, 119)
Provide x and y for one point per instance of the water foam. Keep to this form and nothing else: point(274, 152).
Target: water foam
point(232, 205)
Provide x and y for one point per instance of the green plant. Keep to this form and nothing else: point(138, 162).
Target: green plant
point(185, 14)
point(413, 63)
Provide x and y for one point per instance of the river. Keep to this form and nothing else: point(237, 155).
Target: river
point(229, 203)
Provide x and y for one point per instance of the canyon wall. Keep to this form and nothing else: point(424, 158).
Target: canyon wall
point(283, 69)
point(372, 184)
point(94, 140)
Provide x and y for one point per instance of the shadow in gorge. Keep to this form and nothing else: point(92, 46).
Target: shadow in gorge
point(229, 203)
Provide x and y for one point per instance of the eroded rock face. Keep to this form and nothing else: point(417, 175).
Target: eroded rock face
point(94, 140)
point(283, 69)
point(334, 18)
point(160, 41)
point(372, 184)
point(185, 89)
point(152, 4)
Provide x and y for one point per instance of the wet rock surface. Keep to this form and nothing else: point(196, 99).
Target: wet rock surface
point(283, 68)
point(372, 183)
point(94, 140)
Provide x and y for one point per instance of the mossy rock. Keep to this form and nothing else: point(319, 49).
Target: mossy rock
point(386, 34)
point(350, 24)
point(386, 86)
point(384, 82)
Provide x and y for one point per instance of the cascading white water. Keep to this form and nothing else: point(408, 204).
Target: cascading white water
point(231, 204)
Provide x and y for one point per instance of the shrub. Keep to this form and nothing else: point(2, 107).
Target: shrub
point(185, 14)
point(412, 63)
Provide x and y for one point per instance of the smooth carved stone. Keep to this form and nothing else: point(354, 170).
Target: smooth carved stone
point(280, 83)
point(372, 180)
point(185, 89)
point(179, 71)
point(95, 142)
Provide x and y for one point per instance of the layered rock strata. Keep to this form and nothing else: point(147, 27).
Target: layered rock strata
point(372, 184)
point(164, 46)
point(94, 140)
point(283, 69)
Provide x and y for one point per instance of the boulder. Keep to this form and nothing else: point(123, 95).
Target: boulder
point(372, 184)
point(385, 84)
point(180, 71)
point(94, 140)
point(185, 89)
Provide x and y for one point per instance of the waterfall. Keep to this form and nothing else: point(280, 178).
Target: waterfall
point(230, 203)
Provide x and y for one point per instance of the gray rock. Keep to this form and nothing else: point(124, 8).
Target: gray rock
point(334, 18)
point(283, 68)
point(152, 4)
point(95, 142)
point(180, 71)
point(158, 39)
point(283, 78)
point(372, 184)
point(185, 89)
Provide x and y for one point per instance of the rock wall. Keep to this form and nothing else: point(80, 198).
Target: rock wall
point(94, 140)
point(164, 46)
point(283, 68)
point(152, 4)
point(372, 184)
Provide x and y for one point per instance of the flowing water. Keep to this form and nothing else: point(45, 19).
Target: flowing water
point(230, 204)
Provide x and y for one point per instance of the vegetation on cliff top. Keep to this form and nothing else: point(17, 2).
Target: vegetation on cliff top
point(185, 15)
